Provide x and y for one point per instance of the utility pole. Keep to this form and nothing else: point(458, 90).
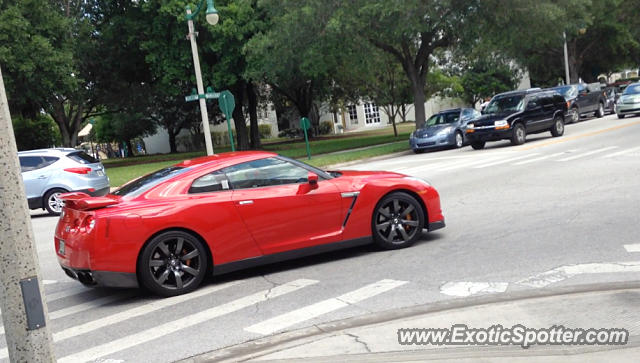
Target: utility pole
point(566, 59)
point(23, 312)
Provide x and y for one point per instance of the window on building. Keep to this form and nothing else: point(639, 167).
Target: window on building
point(371, 114)
point(353, 114)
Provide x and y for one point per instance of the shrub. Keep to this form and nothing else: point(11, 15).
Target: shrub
point(265, 131)
point(291, 133)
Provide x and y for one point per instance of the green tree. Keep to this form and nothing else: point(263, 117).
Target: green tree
point(35, 133)
point(485, 77)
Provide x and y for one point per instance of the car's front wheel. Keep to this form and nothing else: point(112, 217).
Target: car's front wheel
point(397, 221)
point(172, 263)
point(620, 116)
point(478, 145)
point(519, 135)
point(459, 141)
point(600, 111)
point(52, 202)
point(574, 115)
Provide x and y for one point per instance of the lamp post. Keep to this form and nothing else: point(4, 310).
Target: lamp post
point(566, 59)
point(212, 18)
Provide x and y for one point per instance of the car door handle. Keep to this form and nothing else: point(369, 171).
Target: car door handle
point(245, 202)
point(42, 177)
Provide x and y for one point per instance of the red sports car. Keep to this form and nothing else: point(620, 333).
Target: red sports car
point(169, 229)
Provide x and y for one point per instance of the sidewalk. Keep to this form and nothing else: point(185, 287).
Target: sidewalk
point(373, 338)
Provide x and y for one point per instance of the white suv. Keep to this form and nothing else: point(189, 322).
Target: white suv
point(47, 173)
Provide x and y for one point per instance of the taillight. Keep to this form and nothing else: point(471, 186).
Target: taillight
point(78, 170)
point(88, 223)
point(568, 104)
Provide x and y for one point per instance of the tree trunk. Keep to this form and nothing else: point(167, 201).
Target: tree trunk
point(252, 98)
point(418, 105)
point(129, 147)
point(240, 123)
point(172, 142)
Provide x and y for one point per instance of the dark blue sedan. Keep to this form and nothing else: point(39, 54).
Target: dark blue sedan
point(445, 128)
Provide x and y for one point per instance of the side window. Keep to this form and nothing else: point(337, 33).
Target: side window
point(264, 173)
point(534, 101)
point(212, 182)
point(28, 163)
point(546, 100)
point(48, 160)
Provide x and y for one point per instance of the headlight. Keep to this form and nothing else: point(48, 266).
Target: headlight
point(470, 125)
point(501, 124)
point(412, 135)
point(445, 131)
point(423, 181)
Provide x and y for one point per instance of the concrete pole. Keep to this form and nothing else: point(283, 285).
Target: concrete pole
point(566, 59)
point(28, 336)
point(203, 102)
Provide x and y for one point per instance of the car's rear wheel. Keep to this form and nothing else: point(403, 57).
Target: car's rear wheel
point(172, 263)
point(519, 135)
point(418, 151)
point(478, 145)
point(600, 111)
point(558, 127)
point(459, 140)
point(52, 202)
point(575, 115)
point(397, 221)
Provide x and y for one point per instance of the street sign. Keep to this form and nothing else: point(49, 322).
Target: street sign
point(305, 124)
point(190, 98)
point(227, 103)
point(211, 95)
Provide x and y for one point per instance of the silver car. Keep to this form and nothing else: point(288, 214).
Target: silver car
point(629, 101)
point(47, 173)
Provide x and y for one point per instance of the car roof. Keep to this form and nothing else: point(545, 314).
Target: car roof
point(52, 151)
point(222, 158)
point(520, 92)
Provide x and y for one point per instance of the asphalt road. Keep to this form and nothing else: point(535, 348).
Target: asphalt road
point(552, 212)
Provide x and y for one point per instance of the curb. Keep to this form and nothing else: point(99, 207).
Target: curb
point(264, 345)
point(365, 160)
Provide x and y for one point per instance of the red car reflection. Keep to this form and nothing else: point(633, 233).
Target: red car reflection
point(169, 229)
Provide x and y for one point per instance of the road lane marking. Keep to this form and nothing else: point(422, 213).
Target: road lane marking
point(183, 323)
point(138, 311)
point(622, 152)
point(309, 312)
point(466, 288)
point(633, 247)
point(539, 158)
point(564, 272)
point(475, 161)
point(74, 309)
point(580, 136)
point(588, 153)
point(505, 161)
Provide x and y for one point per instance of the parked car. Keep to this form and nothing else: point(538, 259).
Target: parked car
point(611, 95)
point(445, 128)
point(629, 101)
point(229, 211)
point(513, 115)
point(582, 100)
point(47, 173)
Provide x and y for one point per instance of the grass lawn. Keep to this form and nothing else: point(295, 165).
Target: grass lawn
point(122, 170)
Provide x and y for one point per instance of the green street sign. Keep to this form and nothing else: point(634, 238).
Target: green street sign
point(211, 95)
point(305, 124)
point(190, 98)
point(227, 103)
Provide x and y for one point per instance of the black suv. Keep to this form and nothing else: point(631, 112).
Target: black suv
point(583, 99)
point(513, 115)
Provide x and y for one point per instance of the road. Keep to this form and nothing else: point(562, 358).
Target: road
point(551, 212)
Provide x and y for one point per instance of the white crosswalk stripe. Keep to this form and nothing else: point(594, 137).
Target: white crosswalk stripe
point(323, 307)
point(633, 247)
point(183, 323)
point(627, 151)
point(469, 163)
point(138, 311)
point(588, 153)
point(538, 159)
point(503, 161)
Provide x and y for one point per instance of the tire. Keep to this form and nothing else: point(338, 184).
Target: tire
point(459, 140)
point(620, 116)
point(575, 115)
point(478, 145)
point(519, 135)
point(418, 151)
point(600, 111)
point(397, 211)
point(51, 203)
point(172, 263)
point(557, 129)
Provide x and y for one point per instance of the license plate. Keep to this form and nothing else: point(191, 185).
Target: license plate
point(100, 173)
point(61, 247)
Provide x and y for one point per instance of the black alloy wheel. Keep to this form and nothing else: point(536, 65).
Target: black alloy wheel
point(173, 263)
point(519, 135)
point(459, 140)
point(558, 127)
point(397, 221)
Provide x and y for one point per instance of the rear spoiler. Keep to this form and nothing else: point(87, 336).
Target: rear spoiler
point(83, 201)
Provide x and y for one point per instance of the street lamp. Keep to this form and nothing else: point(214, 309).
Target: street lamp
point(212, 18)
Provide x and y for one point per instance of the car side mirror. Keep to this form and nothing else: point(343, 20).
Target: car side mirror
point(313, 179)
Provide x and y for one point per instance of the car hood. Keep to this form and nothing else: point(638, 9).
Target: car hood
point(486, 120)
point(430, 130)
point(629, 98)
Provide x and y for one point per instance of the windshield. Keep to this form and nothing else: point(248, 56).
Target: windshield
point(138, 186)
point(632, 89)
point(442, 119)
point(567, 91)
point(501, 104)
